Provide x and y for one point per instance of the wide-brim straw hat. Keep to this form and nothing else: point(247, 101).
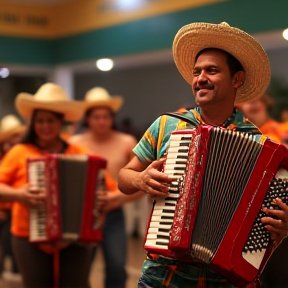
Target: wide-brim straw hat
point(9, 126)
point(193, 38)
point(99, 97)
point(50, 97)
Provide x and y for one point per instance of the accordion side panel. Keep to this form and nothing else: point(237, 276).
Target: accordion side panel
point(185, 214)
point(233, 265)
point(53, 226)
point(92, 220)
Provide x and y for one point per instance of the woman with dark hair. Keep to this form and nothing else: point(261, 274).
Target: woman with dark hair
point(46, 112)
point(11, 133)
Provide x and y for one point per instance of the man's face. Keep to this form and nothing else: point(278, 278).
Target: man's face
point(100, 120)
point(212, 82)
point(254, 110)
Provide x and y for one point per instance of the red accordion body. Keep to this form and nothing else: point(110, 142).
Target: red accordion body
point(71, 183)
point(213, 211)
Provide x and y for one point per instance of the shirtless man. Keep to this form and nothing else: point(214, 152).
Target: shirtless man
point(101, 139)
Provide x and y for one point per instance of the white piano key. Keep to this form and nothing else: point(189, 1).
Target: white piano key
point(160, 212)
point(155, 236)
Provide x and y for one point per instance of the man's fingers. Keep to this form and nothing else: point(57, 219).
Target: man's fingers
point(273, 222)
point(281, 204)
point(274, 212)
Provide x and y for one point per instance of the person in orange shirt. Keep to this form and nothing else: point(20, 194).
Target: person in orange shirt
point(257, 112)
point(46, 112)
point(11, 132)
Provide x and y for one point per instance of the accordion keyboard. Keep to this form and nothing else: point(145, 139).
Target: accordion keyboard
point(37, 215)
point(158, 233)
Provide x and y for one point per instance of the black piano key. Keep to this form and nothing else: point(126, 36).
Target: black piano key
point(166, 223)
point(183, 150)
point(167, 217)
point(186, 138)
point(160, 243)
point(164, 230)
point(179, 168)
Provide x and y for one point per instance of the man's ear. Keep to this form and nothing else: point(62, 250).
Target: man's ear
point(239, 78)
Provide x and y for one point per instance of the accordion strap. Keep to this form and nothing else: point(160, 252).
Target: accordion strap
point(183, 117)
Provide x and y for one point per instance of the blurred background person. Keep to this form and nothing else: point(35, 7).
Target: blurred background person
point(11, 133)
point(100, 137)
point(45, 111)
point(258, 113)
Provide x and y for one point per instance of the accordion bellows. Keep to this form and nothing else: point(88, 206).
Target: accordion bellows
point(72, 184)
point(213, 212)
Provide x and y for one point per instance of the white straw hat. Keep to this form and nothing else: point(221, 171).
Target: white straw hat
point(10, 125)
point(49, 97)
point(195, 37)
point(99, 97)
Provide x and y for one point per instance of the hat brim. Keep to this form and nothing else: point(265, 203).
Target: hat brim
point(26, 104)
point(193, 38)
point(7, 134)
point(114, 104)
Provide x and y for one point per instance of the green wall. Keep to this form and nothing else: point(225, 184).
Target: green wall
point(150, 34)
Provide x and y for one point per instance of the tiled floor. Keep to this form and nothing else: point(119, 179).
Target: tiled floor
point(135, 259)
point(134, 262)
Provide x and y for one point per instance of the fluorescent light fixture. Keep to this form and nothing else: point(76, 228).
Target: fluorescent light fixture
point(285, 34)
point(104, 64)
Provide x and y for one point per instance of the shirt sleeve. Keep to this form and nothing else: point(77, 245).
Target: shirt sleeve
point(146, 149)
point(111, 184)
point(10, 164)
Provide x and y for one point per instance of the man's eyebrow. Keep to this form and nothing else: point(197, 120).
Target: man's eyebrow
point(206, 66)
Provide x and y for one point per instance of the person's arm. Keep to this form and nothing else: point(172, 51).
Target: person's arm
point(137, 176)
point(23, 195)
point(115, 199)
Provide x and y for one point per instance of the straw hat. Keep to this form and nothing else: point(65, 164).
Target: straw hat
point(195, 37)
point(49, 97)
point(10, 125)
point(99, 97)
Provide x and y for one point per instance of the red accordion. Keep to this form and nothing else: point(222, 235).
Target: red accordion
point(71, 183)
point(212, 214)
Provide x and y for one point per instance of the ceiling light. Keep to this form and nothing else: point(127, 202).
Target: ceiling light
point(285, 34)
point(4, 72)
point(104, 64)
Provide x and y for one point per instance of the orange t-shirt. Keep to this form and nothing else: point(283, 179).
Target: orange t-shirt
point(13, 171)
point(272, 129)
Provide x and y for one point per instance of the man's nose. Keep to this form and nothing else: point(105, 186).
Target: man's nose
point(202, 77)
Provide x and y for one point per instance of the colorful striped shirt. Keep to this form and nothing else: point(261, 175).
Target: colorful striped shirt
point(155, 141)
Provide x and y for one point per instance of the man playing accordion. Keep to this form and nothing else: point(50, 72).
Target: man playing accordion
point(224, 66)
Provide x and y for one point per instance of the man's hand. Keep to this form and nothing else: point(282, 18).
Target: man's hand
point(31, 197)
point(152, 181)
point(278, 228)
point(108, 201)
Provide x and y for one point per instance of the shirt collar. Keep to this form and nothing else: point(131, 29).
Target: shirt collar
point(236, 116)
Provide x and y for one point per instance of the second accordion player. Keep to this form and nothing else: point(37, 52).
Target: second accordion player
point(71, 183)
point(212, 214)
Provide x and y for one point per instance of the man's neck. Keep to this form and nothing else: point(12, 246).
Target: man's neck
point(216, 116)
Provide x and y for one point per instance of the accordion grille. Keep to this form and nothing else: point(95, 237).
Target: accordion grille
point(230, 161)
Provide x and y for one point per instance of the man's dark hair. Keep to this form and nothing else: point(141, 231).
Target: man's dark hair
point(88, 114)
point(30, 136)
point(233, 64)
